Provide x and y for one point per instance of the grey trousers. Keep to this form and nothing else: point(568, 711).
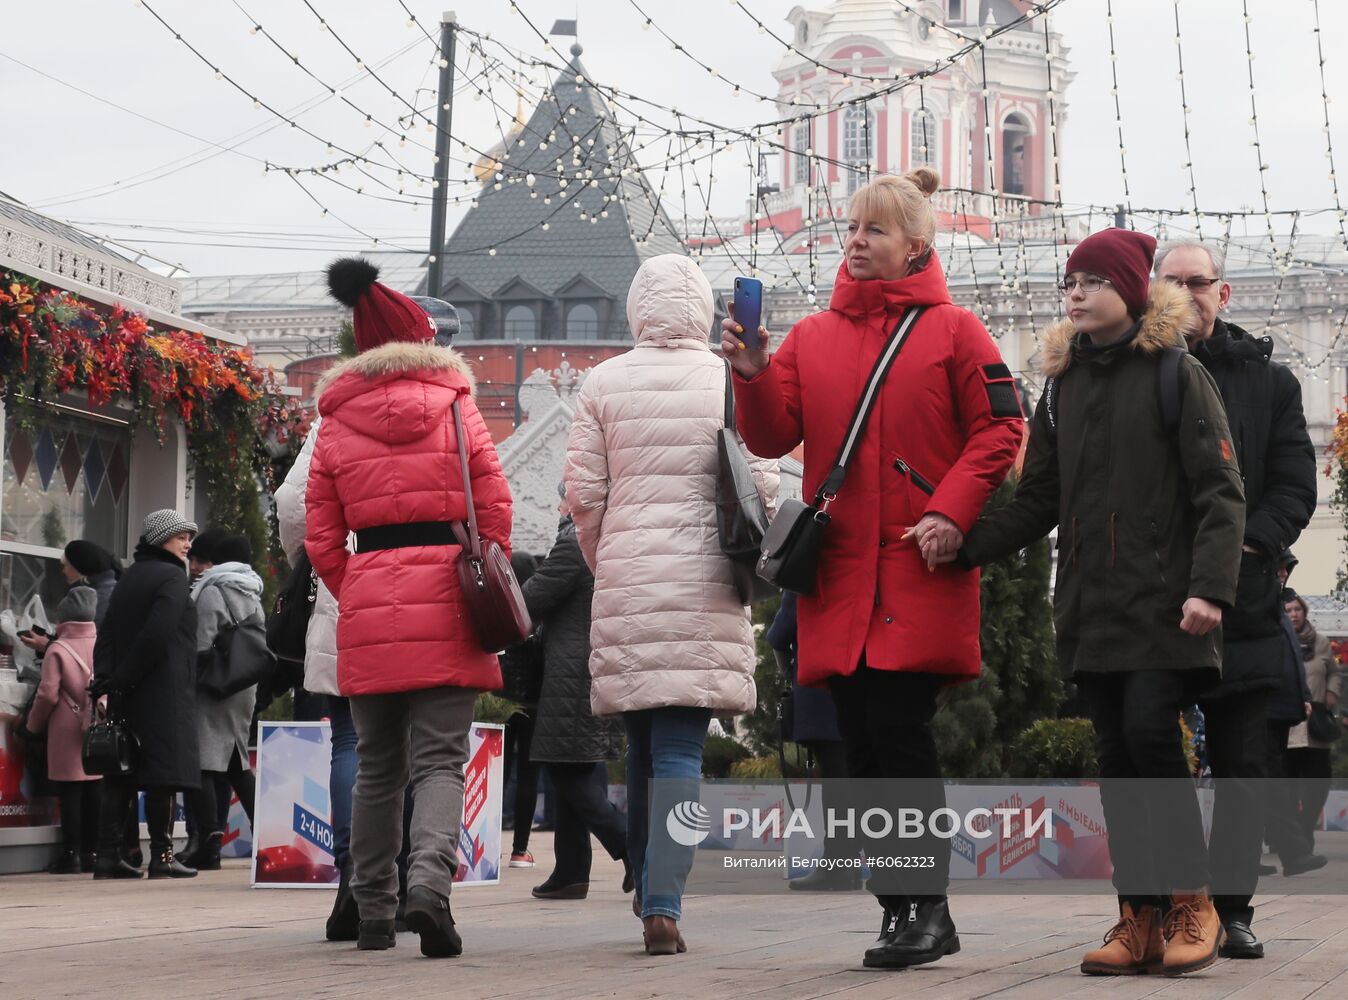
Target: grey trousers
point(419, 737)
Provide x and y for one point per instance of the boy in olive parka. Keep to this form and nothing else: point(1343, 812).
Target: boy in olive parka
point(1150, 521)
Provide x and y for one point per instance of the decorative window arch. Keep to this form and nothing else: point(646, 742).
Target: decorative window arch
point(1015, 145)
point(582, 322)
point(467, 323)
point(521, 323)
point(924, 139)
point(858, 144)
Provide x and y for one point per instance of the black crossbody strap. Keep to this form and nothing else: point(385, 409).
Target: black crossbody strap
point(729, 399)
point(828, 490)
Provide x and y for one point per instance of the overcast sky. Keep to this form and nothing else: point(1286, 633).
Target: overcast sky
point(157, 160)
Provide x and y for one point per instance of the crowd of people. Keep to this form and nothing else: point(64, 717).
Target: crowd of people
point(129, 641)
point(1168, 450)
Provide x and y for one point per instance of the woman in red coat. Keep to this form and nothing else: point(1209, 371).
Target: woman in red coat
point(886, 628)
point(387, 467)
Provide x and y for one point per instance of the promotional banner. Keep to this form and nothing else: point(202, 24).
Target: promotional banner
point(21, 804)
point(483, 784)
point(293, 842)
point(1336, 811)
point(1071, 845)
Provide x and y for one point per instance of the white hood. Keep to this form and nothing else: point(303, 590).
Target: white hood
point(670, 303)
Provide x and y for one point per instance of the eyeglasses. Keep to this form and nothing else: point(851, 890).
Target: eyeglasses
point(1193, 284)
point(1089, 284)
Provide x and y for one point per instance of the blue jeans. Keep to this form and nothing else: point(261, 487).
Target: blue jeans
point(342, 776)
point(664, 744)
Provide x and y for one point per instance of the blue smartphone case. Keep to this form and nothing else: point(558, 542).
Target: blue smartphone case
point(749, 309)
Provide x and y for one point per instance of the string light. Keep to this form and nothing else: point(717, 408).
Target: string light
point(1184, 111)
point(1118, 110)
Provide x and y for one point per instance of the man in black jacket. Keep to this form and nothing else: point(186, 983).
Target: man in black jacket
point(1277, 464)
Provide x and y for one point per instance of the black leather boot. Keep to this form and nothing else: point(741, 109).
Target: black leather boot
point(376, 935)
point(66, 863)
point(114, 866)
point(114, 810)
point(1240, 941)
point(344, 920)
point(925, 934)
point(207, 858)
point(429, 918)
point(163, 864)
point(893, 912)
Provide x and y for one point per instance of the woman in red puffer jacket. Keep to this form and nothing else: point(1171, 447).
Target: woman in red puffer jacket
point(888, 627)
point(387, 467)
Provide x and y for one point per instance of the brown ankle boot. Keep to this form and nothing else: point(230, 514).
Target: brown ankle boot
point(1133, 946)
point(1193, 933)
point(662, 936)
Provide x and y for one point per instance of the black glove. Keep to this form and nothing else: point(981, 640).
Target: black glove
point(100, 686)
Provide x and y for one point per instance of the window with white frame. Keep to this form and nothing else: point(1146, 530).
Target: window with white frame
point(62, 477)
point(582, 322)
point(521, 323)
point(858, 144)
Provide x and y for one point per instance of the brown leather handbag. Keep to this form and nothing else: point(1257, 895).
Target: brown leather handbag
point(490, 591)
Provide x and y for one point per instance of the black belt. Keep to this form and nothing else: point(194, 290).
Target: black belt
point(403, 536)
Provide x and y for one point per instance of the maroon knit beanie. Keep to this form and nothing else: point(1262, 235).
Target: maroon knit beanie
point(379, 315)
point(1123, 257)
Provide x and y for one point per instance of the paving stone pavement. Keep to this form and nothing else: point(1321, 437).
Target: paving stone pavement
point(213, 936)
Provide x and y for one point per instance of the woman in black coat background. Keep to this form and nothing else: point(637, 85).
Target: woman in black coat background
point(145, 661)
point(568, 739)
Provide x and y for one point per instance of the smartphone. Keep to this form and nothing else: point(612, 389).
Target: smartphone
point(39, 630)
point(749, 309)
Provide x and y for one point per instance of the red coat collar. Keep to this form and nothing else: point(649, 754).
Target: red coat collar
point(856, 298)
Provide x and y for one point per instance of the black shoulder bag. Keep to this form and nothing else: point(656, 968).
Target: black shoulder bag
point(238, 659)
point(294, 606)
point(741, 516)
point(790, 555)
point(1323, 724)
point(110, 748)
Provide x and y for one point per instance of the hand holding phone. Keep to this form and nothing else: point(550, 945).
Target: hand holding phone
point(748, 310)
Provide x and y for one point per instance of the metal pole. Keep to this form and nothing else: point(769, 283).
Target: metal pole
point(443, 116)
point(519, 381)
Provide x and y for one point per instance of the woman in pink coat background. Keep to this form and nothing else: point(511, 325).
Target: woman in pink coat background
point(62, 710)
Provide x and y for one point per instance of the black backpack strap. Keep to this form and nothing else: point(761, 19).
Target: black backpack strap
point(729, 399)
point(1051, 406)
point(828, 490)
point(1168, 388)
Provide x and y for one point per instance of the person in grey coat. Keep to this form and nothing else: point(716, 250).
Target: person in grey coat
point(569, 740)
point(228, 593)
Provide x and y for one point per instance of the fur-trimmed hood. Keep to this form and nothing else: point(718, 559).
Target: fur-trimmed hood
point(396, 392)
point(1167, 317)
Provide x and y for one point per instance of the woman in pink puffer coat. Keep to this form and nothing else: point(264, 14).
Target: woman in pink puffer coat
point(671, 641)
point(62, 709)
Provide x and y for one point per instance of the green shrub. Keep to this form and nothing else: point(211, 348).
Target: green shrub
point(493, 708)
point(719, 754)
point(756, 769)
point(1055, 748)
